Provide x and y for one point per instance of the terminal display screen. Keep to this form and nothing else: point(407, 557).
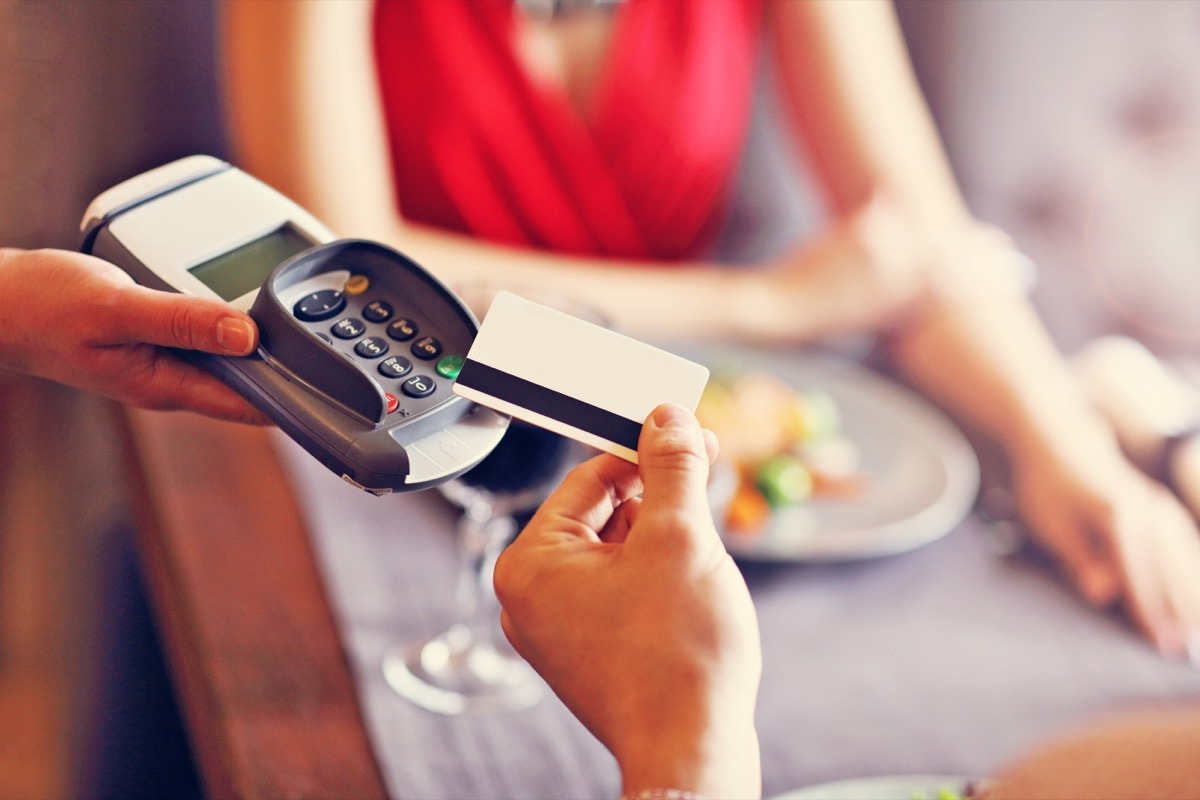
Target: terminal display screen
point(243, 270)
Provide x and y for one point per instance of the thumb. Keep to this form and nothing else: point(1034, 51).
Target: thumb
point(673, 459)
point(176, 320)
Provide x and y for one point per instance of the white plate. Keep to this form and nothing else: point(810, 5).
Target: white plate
point(892, 787)
point(921, 474)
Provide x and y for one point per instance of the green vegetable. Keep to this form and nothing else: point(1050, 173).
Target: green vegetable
point(784, 481)
point(942, 794)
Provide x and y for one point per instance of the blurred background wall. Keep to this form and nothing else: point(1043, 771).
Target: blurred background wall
point(1071, 124)
point(91, 92)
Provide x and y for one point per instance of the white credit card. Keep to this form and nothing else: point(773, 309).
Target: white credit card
point(573, 377)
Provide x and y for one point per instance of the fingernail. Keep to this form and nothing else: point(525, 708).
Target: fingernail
point(1193, 648)
point(670, 415)
point(235, 336)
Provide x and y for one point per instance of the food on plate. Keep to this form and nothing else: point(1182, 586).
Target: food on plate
point(968, 791)
point(787, 445)
point(942, 794)
point(783, 480)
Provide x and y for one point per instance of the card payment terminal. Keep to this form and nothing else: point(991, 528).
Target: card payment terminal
point(359, 346)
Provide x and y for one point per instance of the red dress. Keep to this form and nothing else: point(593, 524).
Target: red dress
point(478, 148)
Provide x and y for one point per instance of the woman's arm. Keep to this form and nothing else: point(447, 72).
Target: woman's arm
point(850, 90)
point(855, 100)
point(303, 107)
point(306, 118)
point(974, 344)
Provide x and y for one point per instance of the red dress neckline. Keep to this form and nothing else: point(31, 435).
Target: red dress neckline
point(481, 148)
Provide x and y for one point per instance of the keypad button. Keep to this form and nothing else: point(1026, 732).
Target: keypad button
point(348, 328)
point(392, 402)
point(356, 285)
point(450, 366)
point(402, 329)
point(319, 305)
point(378, 311)
point(418, 386)
point(427, 348)
point(325, 338)
point(371, 347)
point(395, 367)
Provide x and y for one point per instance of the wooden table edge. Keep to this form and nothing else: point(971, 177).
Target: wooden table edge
point(258, 667)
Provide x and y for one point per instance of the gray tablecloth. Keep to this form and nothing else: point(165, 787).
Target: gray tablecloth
point(949, 659)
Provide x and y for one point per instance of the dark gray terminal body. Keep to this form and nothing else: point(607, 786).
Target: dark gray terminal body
point(361, 378)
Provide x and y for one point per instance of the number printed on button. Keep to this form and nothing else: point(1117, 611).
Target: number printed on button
point(395, 367)
point(371, 347)
point(378, 311)
point(418, 386)
point(402, 329)
point(348, 328)
point(427, 348)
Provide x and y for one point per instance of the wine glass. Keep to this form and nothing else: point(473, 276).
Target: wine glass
point(470, 667)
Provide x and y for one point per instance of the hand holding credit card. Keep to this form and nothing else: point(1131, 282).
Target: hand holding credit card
point(572, 377)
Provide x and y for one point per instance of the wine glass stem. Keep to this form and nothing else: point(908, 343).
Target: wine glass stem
point(482, 536)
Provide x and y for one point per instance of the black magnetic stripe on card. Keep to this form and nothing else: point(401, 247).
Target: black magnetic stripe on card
point(549, 403)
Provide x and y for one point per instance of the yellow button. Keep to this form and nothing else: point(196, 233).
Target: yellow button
point(357, 284)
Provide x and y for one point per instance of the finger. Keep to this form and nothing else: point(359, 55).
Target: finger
point(674, 461)
point(586, 499)
point(221, 402)
point(177, 385)
point(175, 320)
point(1096, 576)
point(1145, 583)
point(1087, 559)
point(1181, 562)
point(510, 632)
point(712, 446)
point(1172, 610)
point(617, 528)
point(1146, 601)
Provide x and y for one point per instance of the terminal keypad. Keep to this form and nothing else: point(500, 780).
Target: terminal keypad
point(367, 327)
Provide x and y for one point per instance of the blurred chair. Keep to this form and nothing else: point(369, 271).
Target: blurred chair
point(1076, 126)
